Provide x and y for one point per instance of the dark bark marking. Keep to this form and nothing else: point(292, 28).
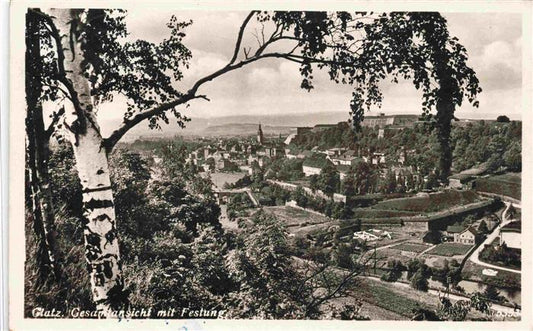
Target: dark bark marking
point(99, 279)
point(95, 204)
point(96, 189)
point(101, 218)
point(110, 236)
point(100, 171)
point(108, 268)
point(92, 246)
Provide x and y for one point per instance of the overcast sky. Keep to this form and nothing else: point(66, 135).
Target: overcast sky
point(493, 42)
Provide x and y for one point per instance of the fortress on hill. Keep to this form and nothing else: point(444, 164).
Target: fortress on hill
point(381, 121)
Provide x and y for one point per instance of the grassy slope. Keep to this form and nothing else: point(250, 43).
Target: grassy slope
point(507, 184)
point(433, 202)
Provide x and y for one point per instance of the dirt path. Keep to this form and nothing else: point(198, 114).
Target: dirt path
point(490, 238)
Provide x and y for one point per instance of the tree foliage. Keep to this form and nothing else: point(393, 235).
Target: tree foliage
point(359, 49)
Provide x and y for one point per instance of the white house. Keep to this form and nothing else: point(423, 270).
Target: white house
point(468, 236)
point(511, 235)
point(311, 170)
point(314, 165)
point(363, 235)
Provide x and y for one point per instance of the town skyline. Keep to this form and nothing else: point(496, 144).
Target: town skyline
point(493, 41)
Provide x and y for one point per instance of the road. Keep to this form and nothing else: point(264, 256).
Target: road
point(490, 238)
point(425, 251)
point(497, 308)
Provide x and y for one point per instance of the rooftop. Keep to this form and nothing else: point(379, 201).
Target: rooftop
point(455, 228)
point(316, 161)
point(513, 227)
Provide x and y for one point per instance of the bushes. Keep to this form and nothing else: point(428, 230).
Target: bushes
point(73, 289)
point(395, 271)
point(343, 256)
point(502, 255)
point(237, 205)
point(418, 273)
point(450, 274)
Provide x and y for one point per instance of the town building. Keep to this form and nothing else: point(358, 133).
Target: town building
point(260, 136)
point(511, 234)
point(452, 231)
point(383, 121)
point(468, 236)
point(224, 164)
point(347, 158)
point(343, 170)
point(313, 165)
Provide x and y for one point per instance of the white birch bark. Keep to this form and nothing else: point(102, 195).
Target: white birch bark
point(100, 234)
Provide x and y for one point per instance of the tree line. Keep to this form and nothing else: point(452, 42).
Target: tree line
point(77, 58)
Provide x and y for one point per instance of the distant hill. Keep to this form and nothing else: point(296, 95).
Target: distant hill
point(244, 129)
point(236, 125)
point(293, 120)
point(273, 124)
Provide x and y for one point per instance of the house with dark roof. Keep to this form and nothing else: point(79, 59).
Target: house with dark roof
point(343, 170)
point(347, 158)
point(451, 231)
point(511, 235)
point(468, 236)
point(313, 165)
point(465, 178)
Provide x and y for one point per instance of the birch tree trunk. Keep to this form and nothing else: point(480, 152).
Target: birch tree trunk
point(43, 217)
point(38, 151)
point(100, 234)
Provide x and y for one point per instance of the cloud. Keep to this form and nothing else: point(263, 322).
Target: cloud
point(493, 41)
point(204, 63)
point(476, 30)
point(499, 67)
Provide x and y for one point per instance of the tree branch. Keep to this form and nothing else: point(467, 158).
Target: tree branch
point(55, 119)
point(62, 76)
point(127, 124)
point(110, 142)
point(239, 37)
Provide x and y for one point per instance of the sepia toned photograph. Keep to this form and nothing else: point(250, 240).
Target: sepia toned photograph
point(273, 165)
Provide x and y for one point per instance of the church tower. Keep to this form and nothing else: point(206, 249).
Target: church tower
point(260, 138)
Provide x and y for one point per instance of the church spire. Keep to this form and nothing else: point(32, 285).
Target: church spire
point(260, 138)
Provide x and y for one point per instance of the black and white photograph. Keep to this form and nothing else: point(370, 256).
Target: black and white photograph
point(339, 164)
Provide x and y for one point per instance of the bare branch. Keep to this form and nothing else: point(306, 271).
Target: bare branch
point(127, 124)
point(239, 37)
point(263, 32)
point(232, 65)
point(257, 38)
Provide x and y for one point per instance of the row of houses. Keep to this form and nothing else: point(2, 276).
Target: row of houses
point(510, 234)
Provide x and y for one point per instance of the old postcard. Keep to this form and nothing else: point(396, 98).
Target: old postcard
point(214, 165)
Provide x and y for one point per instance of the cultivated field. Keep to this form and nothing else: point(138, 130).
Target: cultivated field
point(381, 213)
point(220, 178)
point(449, 249)
point(300, 221)
point(411, 247)
point(507, 279)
